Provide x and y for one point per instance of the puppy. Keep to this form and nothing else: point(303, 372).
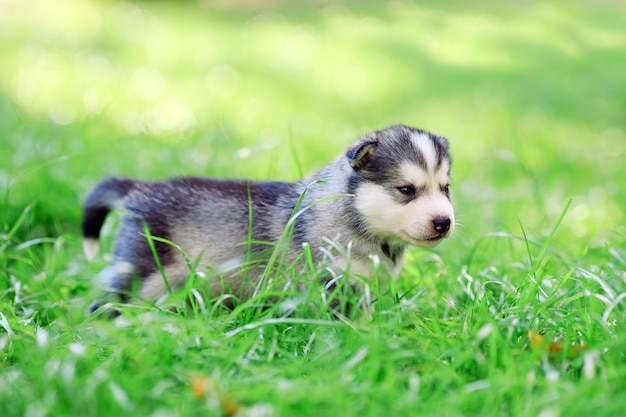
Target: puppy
point(389, 190)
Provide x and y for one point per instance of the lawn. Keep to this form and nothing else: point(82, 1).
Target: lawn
point(521, 313)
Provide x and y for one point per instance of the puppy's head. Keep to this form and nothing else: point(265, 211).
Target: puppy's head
point(400, 182)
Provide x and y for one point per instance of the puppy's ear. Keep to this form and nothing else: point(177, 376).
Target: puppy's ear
point(360, 154)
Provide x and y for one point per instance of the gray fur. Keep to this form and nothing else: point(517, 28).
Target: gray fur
point(208, 219)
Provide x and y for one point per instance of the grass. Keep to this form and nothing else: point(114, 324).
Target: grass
point(530, 96)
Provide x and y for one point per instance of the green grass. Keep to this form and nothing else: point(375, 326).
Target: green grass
point(531, 96)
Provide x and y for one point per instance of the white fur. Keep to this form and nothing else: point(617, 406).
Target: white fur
point(416, 176)
point(114, 270)
point(178, 272)
point(425, 144)
point(90, 248)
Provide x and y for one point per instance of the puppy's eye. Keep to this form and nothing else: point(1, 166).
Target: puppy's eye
point(445, 189)
point(407, 190)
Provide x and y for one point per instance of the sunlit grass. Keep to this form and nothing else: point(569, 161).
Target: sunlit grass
point(531, 97)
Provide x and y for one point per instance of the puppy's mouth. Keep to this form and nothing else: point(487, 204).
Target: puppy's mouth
point(437, 237)
point(435, 240)
point(428, 241)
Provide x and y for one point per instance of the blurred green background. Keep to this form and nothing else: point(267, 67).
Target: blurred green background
point(530, 94)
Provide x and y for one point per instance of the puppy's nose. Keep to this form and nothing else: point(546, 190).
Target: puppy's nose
point(441, 224)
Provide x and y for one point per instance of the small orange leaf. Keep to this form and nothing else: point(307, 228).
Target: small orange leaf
point(205, 387)
point(536, 341)
point(200, 386)
point(228, 404)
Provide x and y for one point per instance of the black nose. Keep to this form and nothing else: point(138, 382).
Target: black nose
point(441, 224)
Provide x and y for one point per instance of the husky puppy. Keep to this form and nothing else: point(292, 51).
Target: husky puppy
point(390, 189)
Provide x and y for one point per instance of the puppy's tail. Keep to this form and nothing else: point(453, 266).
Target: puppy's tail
point(107, 195)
